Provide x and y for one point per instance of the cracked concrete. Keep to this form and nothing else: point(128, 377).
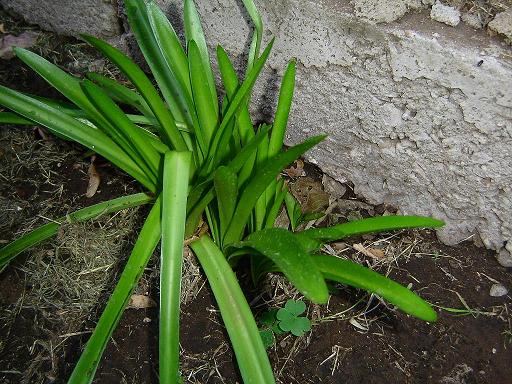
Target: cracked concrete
point(419, 114)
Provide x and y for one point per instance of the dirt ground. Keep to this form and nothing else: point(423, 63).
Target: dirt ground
point(52, 295)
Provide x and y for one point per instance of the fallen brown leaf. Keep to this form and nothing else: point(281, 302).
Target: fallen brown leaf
point(94, 180)
point(296, 170)
point(310, 194)
point(374, 253)
point(2, 28)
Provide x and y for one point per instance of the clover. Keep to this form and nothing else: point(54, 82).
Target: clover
point(289, 319)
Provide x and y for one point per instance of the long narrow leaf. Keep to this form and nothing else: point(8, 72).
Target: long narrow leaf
point(282, 247)
point(14, 119)
point(194, 32)
point(283, 110)
point(174, 212)
point(222, 136)
point(146, 243)
point(258, 25)
point(236, 314)
point(122, 94)
point(169, 85)
point(260, 209)
point(353, 274)
point(373, 224)
point(46, 231)
point(207, 110)
point(170, 45)
point(139, 79)
point(73, 129)
point(281, 191)
point(66, 84)
point(231, 84)
point(259, 183)
point(226, 189)
point(243, 120)
point(121, 122)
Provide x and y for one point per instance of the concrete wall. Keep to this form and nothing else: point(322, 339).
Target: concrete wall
point(419, 113)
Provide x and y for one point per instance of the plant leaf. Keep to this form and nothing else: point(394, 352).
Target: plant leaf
point(226, 189)
point(174, 212)
point(207, 111)
point(170, 45)
point(222, 135)
point(243, 121)
point(147, 40)
point(370, 225)
point(294, 307)
point(167, 123)
point(143, 249)
point(293, 210)
point(255, 16)
point(73, 129)
point(273, 213)
point(282, 247)
point(194, 32)
point(146, 156)
point(283, 110)
point(355, 275)
point(297, 326)
point(66, 84)
point(267, 337)
point(236, 314)
point(122, 94)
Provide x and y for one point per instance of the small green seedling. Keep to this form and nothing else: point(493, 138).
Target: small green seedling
point(283, 320)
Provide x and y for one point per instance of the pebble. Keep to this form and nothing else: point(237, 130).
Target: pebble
point(472, 20)
point(445, 14)
point(502, 23)
point(504, 258)
point(498, 290)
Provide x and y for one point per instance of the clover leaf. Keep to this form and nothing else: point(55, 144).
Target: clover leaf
point(289, 319)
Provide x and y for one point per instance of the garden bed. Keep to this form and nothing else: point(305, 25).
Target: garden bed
point(51, 296)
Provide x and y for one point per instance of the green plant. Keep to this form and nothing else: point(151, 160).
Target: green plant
point(282, 320)
point(196, 157)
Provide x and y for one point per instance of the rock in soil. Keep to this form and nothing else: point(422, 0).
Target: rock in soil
point(502, 24)
point(504, 258)
point(498, 290)
point(461, 374)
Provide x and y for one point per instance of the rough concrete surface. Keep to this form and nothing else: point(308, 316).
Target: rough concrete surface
point(419, 114)
point(384, 11)
point(98, 17)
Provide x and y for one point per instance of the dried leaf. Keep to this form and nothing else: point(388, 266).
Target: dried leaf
point(374, 253)
point(94, 180)
point(2, 28)
point(310, 194)
point(296, 170)
point(141, 301)
point(25, 40)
